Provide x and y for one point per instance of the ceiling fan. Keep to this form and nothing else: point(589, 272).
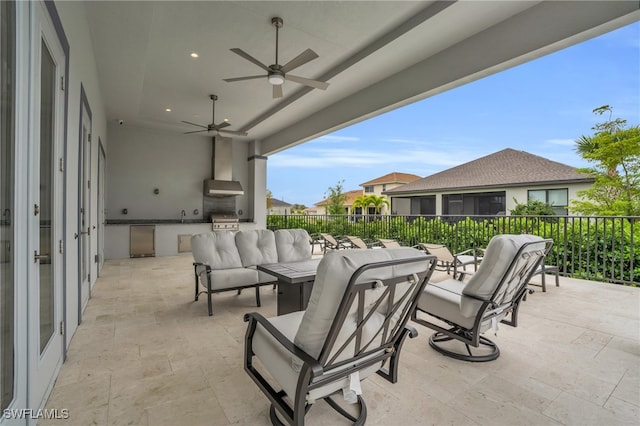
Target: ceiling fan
point(277, 74)
point(213, 127)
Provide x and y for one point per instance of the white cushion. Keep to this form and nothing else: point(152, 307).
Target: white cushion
point(216, 249)
point(332, 278)
point(443, 300)
point(293, 245)
point(256, 247)
point(497, 258)
point(232, 278)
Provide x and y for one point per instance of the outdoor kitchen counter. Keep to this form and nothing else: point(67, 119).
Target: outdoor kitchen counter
point(116, 235)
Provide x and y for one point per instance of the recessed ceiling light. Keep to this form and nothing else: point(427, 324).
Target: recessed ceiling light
point(195, 55)
point(167, 109)
point(226, 120)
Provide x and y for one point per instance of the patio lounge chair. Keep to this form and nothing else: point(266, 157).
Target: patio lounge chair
point(543, 270)
point(359, 243)
point(495, 290)
point(331, 243)
point(356, 322)
point(387, 243)
point(448, 260)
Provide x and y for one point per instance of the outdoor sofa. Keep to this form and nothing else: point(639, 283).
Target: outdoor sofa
point(227, 260)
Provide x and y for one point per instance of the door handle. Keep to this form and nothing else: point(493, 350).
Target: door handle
point(37, 257)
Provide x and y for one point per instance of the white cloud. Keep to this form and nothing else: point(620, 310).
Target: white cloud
point(398, 159)
point(562, 142)
point(337, 138)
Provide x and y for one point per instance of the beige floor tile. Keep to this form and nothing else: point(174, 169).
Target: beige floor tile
point(147, 354)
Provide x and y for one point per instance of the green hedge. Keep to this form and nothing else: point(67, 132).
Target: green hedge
point(594, 248)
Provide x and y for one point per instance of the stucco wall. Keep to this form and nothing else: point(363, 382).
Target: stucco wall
point(142, 160)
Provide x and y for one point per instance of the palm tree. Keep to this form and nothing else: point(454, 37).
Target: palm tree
point(377, 202)
point(361, 201)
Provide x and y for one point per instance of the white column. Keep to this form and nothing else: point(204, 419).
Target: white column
point(258, 182)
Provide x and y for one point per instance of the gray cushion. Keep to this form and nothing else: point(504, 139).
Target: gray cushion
point(332, 278)
point(458, 302)
point(256, 247)
point(497, 259)
point(293, 245)
point(443, 300)
point(231, 278)
point(216, 249)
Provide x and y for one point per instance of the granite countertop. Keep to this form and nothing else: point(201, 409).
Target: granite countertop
point(154, 221)
point(161, 221)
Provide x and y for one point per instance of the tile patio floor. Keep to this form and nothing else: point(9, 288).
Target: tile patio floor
point(147, 354)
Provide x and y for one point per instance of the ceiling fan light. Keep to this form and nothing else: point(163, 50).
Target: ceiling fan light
point(276, 79)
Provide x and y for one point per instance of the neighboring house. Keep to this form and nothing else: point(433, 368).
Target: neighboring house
point(385, 183)
point(321, 207)
point(489, 185)
point(373, 187)
point(279, 207)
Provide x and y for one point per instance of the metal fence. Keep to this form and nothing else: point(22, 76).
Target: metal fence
point(593, 248)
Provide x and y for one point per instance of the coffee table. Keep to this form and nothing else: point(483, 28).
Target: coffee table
point(295, 281)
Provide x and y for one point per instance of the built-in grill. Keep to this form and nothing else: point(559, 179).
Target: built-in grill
point(224, 221)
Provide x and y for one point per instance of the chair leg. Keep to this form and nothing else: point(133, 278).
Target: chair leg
point(544, 282)
point(258, 296)
point(209, 303)
point(197, 294)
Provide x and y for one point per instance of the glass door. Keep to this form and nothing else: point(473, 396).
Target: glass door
point(84, 215)
point(7, 219)
point(45, 289)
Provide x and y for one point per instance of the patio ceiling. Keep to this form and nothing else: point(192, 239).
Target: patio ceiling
point(376, 55)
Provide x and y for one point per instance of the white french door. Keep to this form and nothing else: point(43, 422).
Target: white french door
point(84, 215)
point(45, 225)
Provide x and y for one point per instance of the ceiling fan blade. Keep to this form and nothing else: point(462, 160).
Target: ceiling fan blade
point(307, 82)
point(221, 125)
point(196, 131)
point(277, 91)
point(249, 58)
point(251, 77)
point(234, 132)
point(194, 124)
point(301, 59)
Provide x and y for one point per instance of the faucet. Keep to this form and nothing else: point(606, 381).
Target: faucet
point(182, 215)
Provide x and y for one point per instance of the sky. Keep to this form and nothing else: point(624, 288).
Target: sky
point(540, 107)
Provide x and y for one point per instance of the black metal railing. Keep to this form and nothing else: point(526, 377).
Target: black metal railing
point(602, 248)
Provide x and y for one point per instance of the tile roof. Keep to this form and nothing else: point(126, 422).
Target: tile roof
point(508, 167)
point(393, 177)
point(279, 203)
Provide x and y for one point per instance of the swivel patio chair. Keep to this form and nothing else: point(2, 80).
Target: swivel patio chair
point(461, 312)
point(354, 326)
point(448, 261)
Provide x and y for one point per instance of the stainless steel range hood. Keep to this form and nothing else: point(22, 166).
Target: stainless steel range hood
point(222, 184)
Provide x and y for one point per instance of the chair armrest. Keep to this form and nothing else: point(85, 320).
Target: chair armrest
point(253, 317)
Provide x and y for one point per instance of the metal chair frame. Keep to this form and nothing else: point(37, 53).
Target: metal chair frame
point(521, 269)
point(326, 368)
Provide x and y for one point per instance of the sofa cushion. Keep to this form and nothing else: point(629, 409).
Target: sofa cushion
point(256, 247)
point(293, 245)
point(216, 249)
point(232, 278)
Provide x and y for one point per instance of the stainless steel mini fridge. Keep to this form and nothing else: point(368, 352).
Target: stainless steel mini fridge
point(142, 240)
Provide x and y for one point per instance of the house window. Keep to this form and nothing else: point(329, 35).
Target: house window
point(384, 187)
point(484, 203)
point(368, 189)
point(558, 199)
point(423, 205)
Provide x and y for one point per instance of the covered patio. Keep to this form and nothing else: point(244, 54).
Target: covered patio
point(147, 354)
